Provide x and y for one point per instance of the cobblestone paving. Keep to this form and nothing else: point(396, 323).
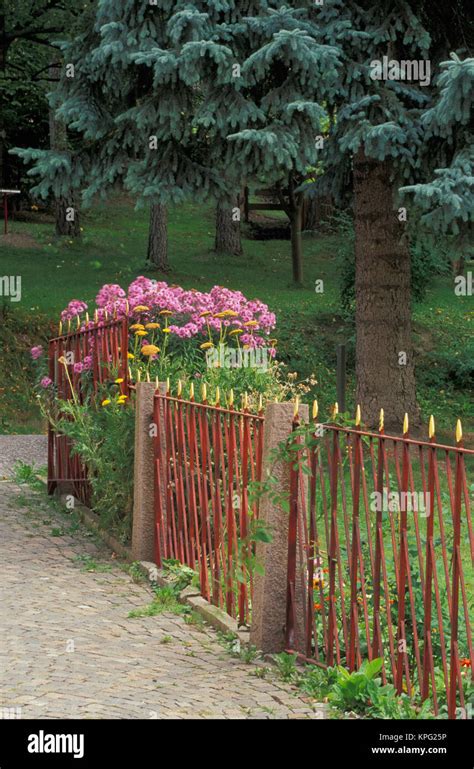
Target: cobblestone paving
point(30, 449)
point(69, 650)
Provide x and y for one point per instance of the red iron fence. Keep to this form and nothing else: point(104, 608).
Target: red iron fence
point(206, 457)
point(80, 361)
point(380, 557)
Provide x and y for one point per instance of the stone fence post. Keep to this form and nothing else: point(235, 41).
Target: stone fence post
point(143, 531)
point(270, 588)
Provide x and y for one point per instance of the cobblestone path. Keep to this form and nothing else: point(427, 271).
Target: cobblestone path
point(68, 648)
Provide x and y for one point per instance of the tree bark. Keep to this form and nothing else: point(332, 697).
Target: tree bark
point(311, 214)
point(66, 208)
point(296, 222)
point(158, 238)
point(383, 301)
point(3, 61)
point(228, 235)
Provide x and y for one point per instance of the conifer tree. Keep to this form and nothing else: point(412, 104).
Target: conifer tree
point(382, 103)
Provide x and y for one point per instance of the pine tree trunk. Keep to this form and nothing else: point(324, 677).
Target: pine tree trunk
point(296, 221)
point(158, 238)
point(3, 35)
point(66, 214)
point(383, 306)
point(228, 236)
point(66, 209)
point(311, 214)
point(3, 57)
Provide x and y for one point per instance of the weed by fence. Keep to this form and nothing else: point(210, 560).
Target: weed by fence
point(80, 361)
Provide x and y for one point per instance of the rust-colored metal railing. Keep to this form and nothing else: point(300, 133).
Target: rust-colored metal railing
point(80, 361)
point(380, 556)
point(206, 457)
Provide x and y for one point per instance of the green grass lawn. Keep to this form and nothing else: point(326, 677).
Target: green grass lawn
point(310, 324)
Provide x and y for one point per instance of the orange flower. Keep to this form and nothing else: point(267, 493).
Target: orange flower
point(317, 607)
point(465, 662)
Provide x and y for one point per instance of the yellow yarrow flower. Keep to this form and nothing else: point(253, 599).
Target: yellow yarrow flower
point(141, 308)
point(236, 331)
point(165, 312)
point(137, 327)
point(106, 402)
point(150, 349)
point(119, 381)
point(152, 326)
point(130, 356)
point(166, 331)
point(207, 345)
point(141, 332)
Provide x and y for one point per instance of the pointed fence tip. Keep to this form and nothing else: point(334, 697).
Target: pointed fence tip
point(431, 427)
point(315, 409)
point(218, 395)
point(381, 420)
point(231, 398)
point(296, 409)
point(260, 403)
point(191, 391)
point(406, 424)
point(168, 384)
point(204, 391)
point(335, 411)
point(358, 418)
point(458, 431)
point(179, 388)
point(148, 376)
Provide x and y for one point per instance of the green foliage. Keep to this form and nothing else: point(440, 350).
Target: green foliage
point(24, 473)
point(286, 666)
point(447, 201)
point(103, 439)
point(182, 576)
point(453, 368)
point(362, 692)
point(165, 600)
point(90, 564)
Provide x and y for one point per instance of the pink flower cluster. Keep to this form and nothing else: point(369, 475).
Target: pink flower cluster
point(74, 308)
point(192, 311)
point(36, 352)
